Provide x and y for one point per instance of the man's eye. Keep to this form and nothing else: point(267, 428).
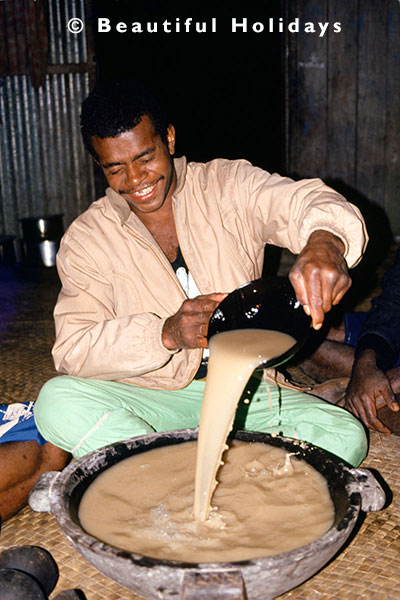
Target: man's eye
point(148, 159)
point(115, 172)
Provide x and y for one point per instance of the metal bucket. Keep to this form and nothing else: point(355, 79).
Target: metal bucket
point(351, 490)
point(41, 239)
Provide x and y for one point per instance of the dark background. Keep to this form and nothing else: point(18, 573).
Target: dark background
point(224, 90)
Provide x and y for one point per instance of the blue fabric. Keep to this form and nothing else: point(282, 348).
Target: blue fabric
point(381, 330)
point(17, 423)
point(354, 324)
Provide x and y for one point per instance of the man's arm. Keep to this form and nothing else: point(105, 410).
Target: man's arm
point(91, 340)
point(284, 212)
point(374, 380)
point(381, 329)
point(312, 220)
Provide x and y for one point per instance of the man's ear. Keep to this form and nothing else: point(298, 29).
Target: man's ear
point(171, 139)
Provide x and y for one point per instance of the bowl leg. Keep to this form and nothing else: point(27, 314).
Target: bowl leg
point(214, 585)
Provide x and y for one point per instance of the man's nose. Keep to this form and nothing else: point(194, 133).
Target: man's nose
point(135, 174)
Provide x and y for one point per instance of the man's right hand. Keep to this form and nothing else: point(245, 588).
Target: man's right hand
point(189, 326)
point(368, 390)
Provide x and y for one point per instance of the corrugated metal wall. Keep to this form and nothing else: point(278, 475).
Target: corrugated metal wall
point(65, 47)
point(44, 168)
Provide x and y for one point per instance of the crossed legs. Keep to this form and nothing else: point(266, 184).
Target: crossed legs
point(80, 415)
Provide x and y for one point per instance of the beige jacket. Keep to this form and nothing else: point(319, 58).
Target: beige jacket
point(118, 287)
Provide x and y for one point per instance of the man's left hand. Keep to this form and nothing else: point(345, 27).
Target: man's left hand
point(319, 276)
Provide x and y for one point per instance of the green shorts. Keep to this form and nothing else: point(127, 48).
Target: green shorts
point(80, 415)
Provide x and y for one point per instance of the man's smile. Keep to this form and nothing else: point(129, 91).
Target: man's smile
point(143, 192)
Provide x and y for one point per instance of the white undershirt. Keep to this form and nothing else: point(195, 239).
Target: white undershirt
point(191, 290)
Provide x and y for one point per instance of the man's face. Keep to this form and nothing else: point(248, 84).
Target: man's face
point(139, 166)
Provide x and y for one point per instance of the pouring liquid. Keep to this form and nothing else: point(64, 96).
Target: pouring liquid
point(266, 502)
point(233, 357)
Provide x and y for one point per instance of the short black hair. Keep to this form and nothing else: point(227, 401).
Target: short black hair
point(115, 107)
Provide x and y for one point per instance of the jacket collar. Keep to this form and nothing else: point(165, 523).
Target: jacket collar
point(120, 205)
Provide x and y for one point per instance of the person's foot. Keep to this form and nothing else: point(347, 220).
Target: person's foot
point(332, 391)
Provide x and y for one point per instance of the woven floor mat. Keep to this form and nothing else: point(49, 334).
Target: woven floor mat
point(27, 298)
point(368, 568)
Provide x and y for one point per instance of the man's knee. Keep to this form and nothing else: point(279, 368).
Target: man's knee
point(51, 392)
point(53, 458)
point(357, 447)
point(81, 415)
point(48, 406)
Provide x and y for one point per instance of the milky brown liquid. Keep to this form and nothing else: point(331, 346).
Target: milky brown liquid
point(265, 503)
point(268, 502)
point(233, 357)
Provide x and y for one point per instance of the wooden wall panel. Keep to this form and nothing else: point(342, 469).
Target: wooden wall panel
point(342, 93)
point(392, 141)
point(308, 88)
point(371, 104)
point(343, 100)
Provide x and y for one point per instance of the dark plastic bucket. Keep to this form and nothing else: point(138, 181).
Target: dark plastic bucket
point(266, 303)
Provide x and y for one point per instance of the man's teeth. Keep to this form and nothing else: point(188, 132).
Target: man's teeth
point(145, 191)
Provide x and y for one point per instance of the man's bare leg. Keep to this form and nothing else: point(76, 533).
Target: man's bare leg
point(332, 359)
point(21, 464)
point(394, 378)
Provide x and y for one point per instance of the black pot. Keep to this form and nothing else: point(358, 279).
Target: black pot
point(34, 561)
point(263, 578)
point(268, 303)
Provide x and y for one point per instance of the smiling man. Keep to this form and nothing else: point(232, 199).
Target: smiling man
point(143, 269)
point(138, 165)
